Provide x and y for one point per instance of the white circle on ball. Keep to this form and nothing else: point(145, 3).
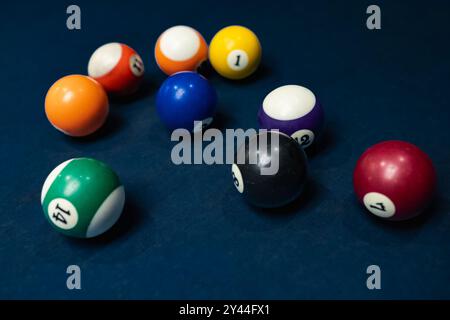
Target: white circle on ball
point(237, 60)
point(104, 59)
point(237, 178)
point(51, 177)
point(200, 125)
point(379, 204)
point(107, 214)
point(304, 137)
point(179, 43)
point(62, 213)
point(289, 102)
point(136, 65)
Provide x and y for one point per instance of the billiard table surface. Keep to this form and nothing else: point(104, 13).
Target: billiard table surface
point(185, 232)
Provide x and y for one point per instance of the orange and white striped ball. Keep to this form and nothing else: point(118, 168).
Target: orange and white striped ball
point(180, 48)
point(117, 67)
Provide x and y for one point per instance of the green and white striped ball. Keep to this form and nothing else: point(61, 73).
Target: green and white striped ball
point(82, 197)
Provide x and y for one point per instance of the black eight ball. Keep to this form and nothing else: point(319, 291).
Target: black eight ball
point(273, 190)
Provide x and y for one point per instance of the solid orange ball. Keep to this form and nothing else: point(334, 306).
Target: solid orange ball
point(76, 105)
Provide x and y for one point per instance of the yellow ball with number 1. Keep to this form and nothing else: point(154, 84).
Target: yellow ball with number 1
point(235, 52)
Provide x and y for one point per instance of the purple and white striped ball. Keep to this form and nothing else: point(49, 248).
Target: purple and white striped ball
point(293, 110)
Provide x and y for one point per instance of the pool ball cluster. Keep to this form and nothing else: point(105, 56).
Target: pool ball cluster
point(84, 197)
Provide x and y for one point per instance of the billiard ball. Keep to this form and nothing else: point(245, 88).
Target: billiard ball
point(180, 48)
point(184, 98)
point(293, 110)
point(235, 52)
point(270, 150)
point(394, 180)
point(76, 105)
point(82, 198)
point(117, 67)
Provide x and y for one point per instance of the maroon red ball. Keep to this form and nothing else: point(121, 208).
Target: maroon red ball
point(395, 180)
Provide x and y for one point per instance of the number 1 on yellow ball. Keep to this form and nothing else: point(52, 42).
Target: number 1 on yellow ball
point(235, 52)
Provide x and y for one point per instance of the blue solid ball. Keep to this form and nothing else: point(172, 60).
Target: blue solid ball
point(186, 97)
